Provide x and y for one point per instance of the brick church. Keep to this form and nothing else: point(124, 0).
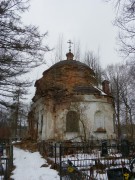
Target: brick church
point(68, 105)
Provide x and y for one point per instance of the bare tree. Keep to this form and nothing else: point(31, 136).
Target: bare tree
point(123, 93)
point(93, 61)
point(58, 50)
point(128, 98)
point(125, 21)
point(83, 127)
point(21, 47)
point(18, 110)
point(77, 50)
point(112, 73)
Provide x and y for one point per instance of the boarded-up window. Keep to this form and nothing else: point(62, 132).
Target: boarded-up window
point(72, 121)
point(99, 120)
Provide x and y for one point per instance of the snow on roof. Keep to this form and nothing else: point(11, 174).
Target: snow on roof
point(102, 93)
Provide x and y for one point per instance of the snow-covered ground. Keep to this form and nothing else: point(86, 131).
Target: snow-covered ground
point(28, 167)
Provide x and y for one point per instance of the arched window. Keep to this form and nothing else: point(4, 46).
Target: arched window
point(99, 121)
point(72, 121)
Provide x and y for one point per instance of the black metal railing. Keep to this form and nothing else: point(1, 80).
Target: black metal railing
point(6, 158)
point(4, 168)
point(88, 160)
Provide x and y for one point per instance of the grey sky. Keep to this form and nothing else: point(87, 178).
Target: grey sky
point(86, 21)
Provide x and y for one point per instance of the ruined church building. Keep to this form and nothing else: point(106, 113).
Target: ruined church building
point(68, 105)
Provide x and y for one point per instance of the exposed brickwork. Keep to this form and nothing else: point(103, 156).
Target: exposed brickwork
point(106, 87)
point(62, 78)
point(64, 86)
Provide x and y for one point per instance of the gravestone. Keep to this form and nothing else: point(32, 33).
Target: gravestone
point(1, 169)
point(1, 150)
point(125, 148)
point(132, 166)
point(118, 174)
point(104, 149)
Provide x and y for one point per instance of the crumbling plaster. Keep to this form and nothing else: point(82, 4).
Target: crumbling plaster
point(54, 120)
point(71, 86)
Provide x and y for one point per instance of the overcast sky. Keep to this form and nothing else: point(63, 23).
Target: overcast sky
point(86, 21)
point(89, 22)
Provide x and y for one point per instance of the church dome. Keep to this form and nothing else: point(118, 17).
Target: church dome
point(70, 75)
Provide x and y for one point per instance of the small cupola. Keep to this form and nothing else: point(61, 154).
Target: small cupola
point(70, 55)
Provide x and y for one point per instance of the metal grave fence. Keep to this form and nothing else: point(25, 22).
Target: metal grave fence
point(6, 158)
point(88, 160)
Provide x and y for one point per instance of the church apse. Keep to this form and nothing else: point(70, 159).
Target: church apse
point(64, 84)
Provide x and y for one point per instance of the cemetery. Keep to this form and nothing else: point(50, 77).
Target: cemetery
point(105, 160)
point(79, 122)
point(91, 160)
point(6, 158)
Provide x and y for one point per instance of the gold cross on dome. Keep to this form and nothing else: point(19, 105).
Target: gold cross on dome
point(70, 43)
